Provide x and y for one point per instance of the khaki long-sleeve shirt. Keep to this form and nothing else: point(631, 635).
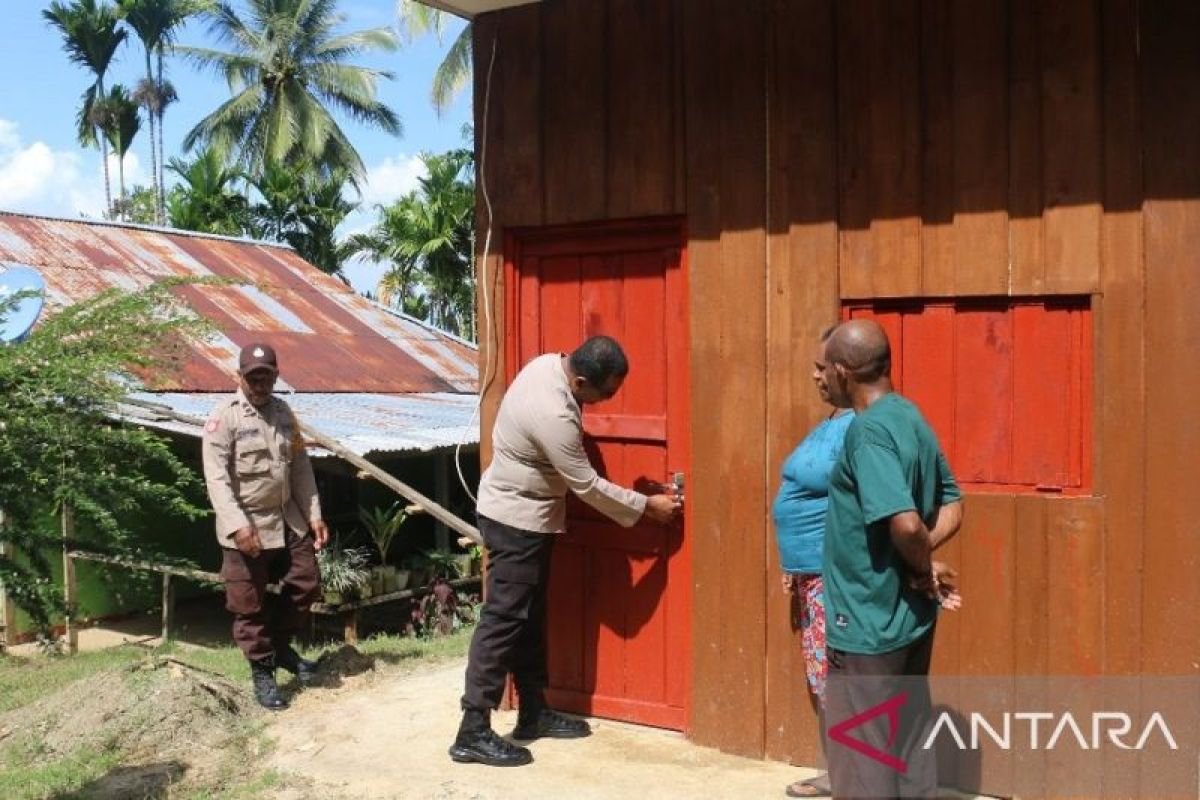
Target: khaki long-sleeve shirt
point(257, 471)
point(537, 455)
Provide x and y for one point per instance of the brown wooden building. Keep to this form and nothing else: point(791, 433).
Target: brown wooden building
point(1012, 186)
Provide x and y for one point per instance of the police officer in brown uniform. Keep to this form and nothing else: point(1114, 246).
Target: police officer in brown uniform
point(263, 491)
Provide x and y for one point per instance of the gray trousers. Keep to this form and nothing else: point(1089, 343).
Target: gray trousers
point(863, 684)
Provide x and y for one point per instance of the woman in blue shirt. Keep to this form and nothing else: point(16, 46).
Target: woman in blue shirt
point(799, 513)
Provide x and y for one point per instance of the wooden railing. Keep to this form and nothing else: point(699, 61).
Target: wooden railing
point(348, 611)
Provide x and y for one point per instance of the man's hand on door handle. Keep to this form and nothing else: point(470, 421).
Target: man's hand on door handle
point(662, 508)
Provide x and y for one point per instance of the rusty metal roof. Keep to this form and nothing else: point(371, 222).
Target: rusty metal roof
point(328, 338)
point(365, 423)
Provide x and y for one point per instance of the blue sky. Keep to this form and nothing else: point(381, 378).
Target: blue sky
point(44, 170)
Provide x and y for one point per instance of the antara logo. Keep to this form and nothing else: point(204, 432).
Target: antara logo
point(1112, 726)
point(1046, 730)
point(840, 732)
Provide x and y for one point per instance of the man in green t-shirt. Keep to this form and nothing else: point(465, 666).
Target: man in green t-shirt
point(892, 502)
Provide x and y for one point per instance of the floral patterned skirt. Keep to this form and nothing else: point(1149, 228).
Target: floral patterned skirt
point(812, 632)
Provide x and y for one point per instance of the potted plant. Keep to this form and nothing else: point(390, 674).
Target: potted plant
point(344, 573)
point(418, 568)
point(447, 566)
point(382, 526)
point(476, 554)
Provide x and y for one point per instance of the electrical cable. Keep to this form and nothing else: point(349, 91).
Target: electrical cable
point(481, 269)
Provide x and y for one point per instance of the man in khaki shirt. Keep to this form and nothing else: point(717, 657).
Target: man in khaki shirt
point(263, 491)
point(538, 455)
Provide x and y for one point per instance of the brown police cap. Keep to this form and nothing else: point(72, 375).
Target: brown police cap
point(257, 356)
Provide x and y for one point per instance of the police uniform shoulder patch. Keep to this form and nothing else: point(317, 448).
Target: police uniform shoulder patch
point(212, 425)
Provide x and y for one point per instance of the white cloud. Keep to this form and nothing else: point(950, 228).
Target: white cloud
point(36, 178)
point(385, 183)
point(392, 179)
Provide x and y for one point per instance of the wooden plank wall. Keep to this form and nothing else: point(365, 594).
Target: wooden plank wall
point(828, 150)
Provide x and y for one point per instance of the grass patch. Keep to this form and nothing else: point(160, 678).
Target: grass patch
point(399, 649)
point(26, 776)
point(28, 770)
point(27, 680)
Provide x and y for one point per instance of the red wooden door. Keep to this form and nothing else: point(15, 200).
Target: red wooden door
point(619, 607)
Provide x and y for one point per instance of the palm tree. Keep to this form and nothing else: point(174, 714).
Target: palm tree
point(426, 236)
point(90, 38)
point(287, 71)
point(207, 198)
point(452, 75)
point(120, 123)
point(390, 241)
point(304, 208)
point(156, 22)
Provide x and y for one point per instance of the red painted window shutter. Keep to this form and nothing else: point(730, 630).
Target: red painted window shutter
point(1006, 384)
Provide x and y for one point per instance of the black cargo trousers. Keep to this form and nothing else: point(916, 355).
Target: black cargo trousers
point(511, 635)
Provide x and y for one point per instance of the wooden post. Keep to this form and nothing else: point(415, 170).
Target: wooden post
point(8, 611)
point(442, 493)
point(70, 589)
point(168, 607)
point(350, 622)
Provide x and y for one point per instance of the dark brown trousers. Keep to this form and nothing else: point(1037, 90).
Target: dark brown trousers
point(263, 622)
point(857, 685)
point(511, 635)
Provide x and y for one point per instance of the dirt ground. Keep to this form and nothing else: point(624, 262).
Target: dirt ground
point(384, 734)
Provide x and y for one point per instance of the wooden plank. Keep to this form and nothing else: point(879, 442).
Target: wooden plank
point(1120, 407)
point(1170, 121)
point(880, 135)
point(1031, 639)
point(574, 118)
point(988, 558)
point(1071, 143)
point(938, 262)
point(726, 162)
point(640, 102)
point(1026, 228)
point(927, 349)
point(1075, 603)
point(1075, 553)
point(741, 437)
point(983, 419)
point(979, 41)
point(489, 250)
point(703, 104)
point(1041, 399)
point(802, 301)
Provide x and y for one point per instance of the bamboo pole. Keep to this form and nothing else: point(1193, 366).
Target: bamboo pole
point(70, 588)
point(435, 510)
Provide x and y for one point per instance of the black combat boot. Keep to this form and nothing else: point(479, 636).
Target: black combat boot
point(535, 721)
point(266, 691)
point(478, 743)
point(304, 670)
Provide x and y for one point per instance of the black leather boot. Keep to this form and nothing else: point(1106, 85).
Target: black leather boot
point(478, 743)
point(538, 721)
point(304, 670)
point(266, 691)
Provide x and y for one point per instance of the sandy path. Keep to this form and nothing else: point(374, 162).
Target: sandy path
point(384, 735)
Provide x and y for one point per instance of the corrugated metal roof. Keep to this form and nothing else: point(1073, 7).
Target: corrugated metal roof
point(329, 339)
point(365, 423)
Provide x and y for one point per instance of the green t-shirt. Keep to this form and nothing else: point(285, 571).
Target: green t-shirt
point(891, 463)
